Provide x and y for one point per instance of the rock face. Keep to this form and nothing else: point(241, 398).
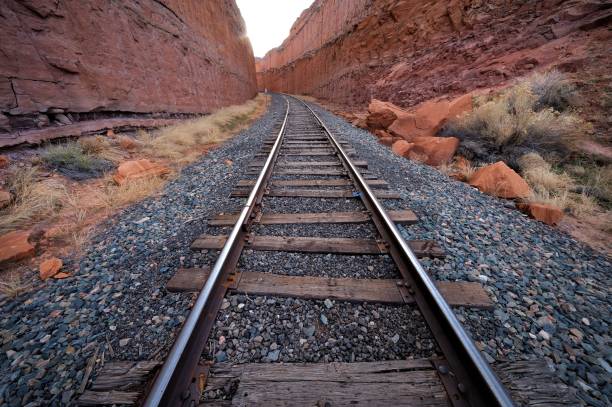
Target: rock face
point(411, 51)
point(62, 61)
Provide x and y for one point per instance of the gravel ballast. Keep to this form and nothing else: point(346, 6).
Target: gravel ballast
point(550, 291)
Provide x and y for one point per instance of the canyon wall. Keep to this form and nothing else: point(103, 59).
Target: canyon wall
point(409, 51)
point(81, 59)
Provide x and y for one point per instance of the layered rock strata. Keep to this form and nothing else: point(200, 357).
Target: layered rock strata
point(60, 61)
point(409, 51)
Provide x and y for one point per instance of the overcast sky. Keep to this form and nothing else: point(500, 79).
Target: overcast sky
point(268, 21)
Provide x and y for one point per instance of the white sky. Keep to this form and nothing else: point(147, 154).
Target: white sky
point(268, 21)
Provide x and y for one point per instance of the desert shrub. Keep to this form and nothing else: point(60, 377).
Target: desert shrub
point(33, 199)
point(594, 180)
point(511, 124)
point(553, 90)
point(93, 145)
point(71, 160)
point(532, 160)
point(539, 174)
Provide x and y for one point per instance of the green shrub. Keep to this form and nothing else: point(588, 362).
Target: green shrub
point(71, 160)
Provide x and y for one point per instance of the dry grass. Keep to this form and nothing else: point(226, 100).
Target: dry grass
point(101, 147)
point(33, 199)
point(555, 188)
point(13, 286)
point(553, 90)
point(466, 170)
point(460, 170)
point(184, 142)
point(114, 196)
point(513, 119)
point(594, 180)
point(536, 113)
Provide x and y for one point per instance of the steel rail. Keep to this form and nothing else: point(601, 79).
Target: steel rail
point(172, 385)
point(476, 381)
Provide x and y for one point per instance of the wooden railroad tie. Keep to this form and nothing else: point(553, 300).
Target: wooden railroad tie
point(301, 171)
point(333, 182)
point(337, 245)
point(260, 164)
point(306, 154)
point(405, 217)
point(386, 383)
point(315, 193)
point(385, 291)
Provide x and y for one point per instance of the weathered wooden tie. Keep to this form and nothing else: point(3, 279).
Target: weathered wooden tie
point(334, 182)
point(302, 171)
point(315, 193)
point(405, 217)
point(337, 245)
point(281, 164)
point(386, 291)
point(413, 382)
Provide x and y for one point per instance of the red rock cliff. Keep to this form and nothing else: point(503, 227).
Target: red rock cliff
point(408, 51)
point(75, 56)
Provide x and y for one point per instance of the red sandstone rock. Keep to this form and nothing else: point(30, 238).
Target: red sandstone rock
point(137, 169)
point(50, 267)
point(425, 121)
point(15, 246)
point(360, 121)
point(380, 120)
point(404, 126)
point(402, 148)
point(411, 51)
point(183, 56)
point(4, 161)
point(436, 150)
point(127, 143)
point(387, 141)
point(5, 198)
point(549, 214)
point(500, 180)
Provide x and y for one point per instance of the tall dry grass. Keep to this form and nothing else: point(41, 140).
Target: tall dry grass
point(113, 196)
point(513, 119)
point(553, 90)
point(34, 199)
point(536, 113)
point(556, 188)
point(183, 142)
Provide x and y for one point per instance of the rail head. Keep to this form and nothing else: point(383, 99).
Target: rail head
point(477, 383)
point(178, 369)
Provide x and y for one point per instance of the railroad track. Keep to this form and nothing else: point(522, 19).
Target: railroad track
point(303, 159)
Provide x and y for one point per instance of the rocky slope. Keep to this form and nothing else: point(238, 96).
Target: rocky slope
point(409, 51)
point(76, 60)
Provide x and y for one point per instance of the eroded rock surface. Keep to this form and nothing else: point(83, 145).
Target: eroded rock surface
point(411, 51)
point(62, 61)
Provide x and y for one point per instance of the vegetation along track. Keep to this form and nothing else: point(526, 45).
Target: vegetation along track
point(306, 163)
